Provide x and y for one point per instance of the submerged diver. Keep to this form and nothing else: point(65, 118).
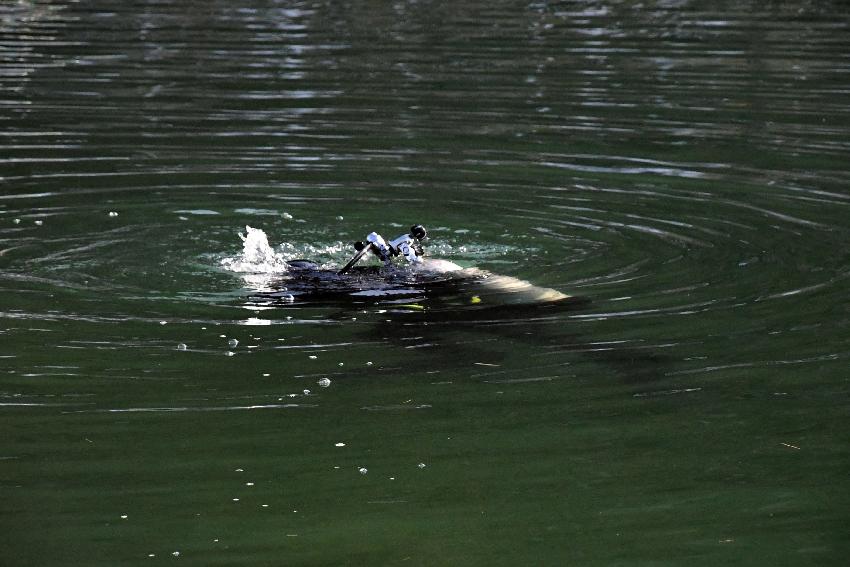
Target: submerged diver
point(413, 279)
point(432, 300)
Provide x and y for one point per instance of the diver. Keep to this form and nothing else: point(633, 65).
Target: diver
point(415, 279)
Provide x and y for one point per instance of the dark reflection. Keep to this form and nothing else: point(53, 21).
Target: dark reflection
point(461, 314)
point(497, 332)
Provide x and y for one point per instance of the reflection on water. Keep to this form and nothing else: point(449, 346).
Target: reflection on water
point(678, 165)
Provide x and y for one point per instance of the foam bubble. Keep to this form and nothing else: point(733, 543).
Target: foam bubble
point(258, 257)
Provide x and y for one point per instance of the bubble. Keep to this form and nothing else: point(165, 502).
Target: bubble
point(124, 516)
point(421, 465)
point(339, 217)
point(340, 444)
point(369, 363)
point(182, 346)
point(313, 357)
point(363, 470)
point(287, 216)
point(113, 214)
point(249, 484)
point(17, 221)
point(324, 382)
point(163, 322)
point(232, 343)
point(306, 392)
point(341, 364)
point(230, 353)
point(176, 554)
point(39, 222)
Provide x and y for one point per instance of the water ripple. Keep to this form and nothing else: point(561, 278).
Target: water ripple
point(671, 162)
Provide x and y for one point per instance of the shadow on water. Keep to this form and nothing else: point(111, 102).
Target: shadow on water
point(457, 315)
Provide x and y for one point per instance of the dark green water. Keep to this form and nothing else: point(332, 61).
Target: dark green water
point(681, 165)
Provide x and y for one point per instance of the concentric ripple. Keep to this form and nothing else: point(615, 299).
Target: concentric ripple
point(678, 168)
point(625, 155)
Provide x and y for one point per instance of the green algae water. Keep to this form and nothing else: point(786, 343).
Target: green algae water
point(679, 168)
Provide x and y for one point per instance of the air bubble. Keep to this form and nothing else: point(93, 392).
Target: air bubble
point(324, 382)
point(232, 343)
point(182, 346)
point(363, 470)
point(113, 214)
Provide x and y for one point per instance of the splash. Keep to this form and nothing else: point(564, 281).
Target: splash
point(258, 257)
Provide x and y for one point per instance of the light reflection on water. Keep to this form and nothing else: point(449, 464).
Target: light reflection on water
point(679, 167)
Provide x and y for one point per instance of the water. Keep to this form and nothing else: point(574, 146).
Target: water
point(679, 166)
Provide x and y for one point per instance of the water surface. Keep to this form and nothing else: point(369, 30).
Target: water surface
point(679, 166)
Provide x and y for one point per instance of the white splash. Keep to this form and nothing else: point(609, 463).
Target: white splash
point(258, 264)
point(258, 257)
